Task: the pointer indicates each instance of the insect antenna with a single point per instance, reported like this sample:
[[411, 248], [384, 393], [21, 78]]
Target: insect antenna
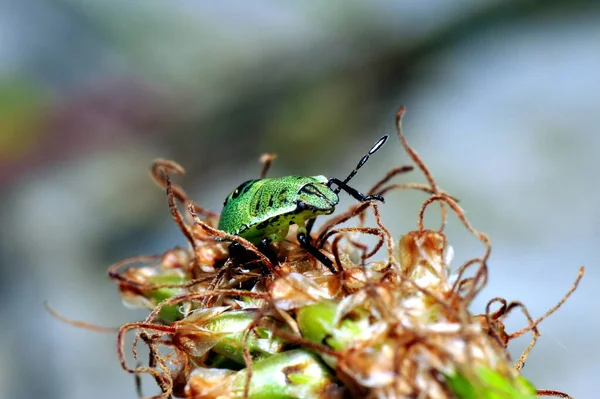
[[360, 164]]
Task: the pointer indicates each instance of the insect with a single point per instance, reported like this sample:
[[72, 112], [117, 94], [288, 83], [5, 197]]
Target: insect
[[262, 210]]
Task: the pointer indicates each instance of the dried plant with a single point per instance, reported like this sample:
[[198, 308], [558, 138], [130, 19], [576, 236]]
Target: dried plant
[[393, 322]]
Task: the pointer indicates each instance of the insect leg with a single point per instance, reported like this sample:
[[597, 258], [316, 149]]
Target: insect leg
[[304, 241], [240, 255], [309, 226], [265, 247], [236, 250], [353, 192]]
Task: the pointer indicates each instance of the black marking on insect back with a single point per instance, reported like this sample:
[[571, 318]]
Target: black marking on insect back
[[263, 225], [282, 197], [269, 222], [308, 190], [312, 190], [303, 206], [257, 201], [271, 201], [242, 228], [242, 188], [248, 186]]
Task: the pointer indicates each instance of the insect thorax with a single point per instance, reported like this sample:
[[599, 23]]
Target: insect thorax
[[267, 207]]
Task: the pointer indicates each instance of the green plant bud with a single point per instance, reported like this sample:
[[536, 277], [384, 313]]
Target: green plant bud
[[318, 324], [225, 333], [295, 374], [168, 314], [233, 324], [490, 384]]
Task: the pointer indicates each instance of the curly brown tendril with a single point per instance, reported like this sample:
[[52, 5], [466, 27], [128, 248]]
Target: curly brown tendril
[[250, 329], [387, 234], [398, 170], [198, 296], [532, 324], [230, 237], [436, 298], [214, 284], [335, 250], [160, 174], [479, 281], [361, 230], [553, 393], [115, 273], [500, 314], [381, 189], [165, 380], [163, 376], [159, 171], [413, 186], [158, 330], [420, 164], [77, 323], [554, 308], [494, 321], [248, 363], [339, 219], [369, 285]]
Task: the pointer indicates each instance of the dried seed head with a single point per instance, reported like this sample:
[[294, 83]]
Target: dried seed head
[[394, 322]]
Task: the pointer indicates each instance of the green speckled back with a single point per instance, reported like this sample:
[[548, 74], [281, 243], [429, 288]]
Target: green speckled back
[[267, 207]]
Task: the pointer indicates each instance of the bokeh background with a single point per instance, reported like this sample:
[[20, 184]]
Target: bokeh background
[[503, 103]]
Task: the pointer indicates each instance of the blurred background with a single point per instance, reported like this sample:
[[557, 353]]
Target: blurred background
[[503, 102]]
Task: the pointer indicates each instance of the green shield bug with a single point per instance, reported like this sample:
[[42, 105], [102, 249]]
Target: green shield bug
[[262, 210]]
